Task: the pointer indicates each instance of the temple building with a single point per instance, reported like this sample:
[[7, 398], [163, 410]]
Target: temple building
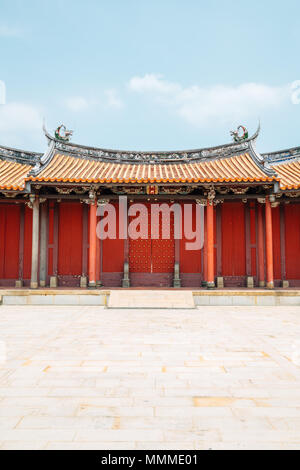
[[48, 216]]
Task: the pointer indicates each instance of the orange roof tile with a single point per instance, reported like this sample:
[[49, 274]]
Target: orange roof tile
[[64, 168], [12, 175], [289, 174]]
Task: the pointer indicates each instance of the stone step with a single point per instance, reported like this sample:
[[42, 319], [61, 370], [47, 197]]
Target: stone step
[[151, 299]]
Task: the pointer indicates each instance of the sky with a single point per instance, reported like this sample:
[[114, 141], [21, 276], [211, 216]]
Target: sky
[[149, 75]]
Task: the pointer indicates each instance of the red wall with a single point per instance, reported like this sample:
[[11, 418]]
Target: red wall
[[292, 241], [9, 241], [190, 260], [233, 249], [233, 239], [27, 243], [252, 208], [113, 251], [276, 242], [70, 239]]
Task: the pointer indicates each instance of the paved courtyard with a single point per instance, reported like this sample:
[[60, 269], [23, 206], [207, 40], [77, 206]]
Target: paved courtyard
[[93, 378]]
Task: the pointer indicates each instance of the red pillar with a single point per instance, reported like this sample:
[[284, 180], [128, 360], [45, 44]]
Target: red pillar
[[260, 247], [98, 264], [205, 251], [210, 245], [93, 245], [269, 246]]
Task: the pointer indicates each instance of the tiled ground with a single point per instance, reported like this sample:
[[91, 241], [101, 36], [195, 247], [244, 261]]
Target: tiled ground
[[91, 378]]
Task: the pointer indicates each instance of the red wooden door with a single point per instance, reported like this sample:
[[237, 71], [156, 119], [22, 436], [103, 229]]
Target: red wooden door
[[233, 241], [151, 260], [112, 253], [9, 241], [70, 243]]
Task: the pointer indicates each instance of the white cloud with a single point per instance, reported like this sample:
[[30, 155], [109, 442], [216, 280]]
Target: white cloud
[[109, 99], [77, 103], [19, 117], [203, 106], [153, 83], [112, 99], [9, 31]]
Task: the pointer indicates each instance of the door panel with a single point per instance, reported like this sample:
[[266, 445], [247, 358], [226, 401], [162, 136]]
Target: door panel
[[153, 256], [292, 241]]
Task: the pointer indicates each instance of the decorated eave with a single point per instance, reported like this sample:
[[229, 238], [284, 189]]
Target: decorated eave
[[286, 163], [66, 162], [15, 166]]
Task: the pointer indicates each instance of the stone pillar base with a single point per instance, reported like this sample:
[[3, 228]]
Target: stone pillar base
[[92, 284], [19, 283], [98, 284], [285, 284], [83, 282], [125, 283], [210, 285], [250, 282], [126, 278], [220, 282], [270, 285], [53, 282], [42, 283], [34, 285], [261, 284], [176, 280]]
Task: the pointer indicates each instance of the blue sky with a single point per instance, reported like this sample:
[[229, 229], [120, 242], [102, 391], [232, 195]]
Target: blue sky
[[152, 75]]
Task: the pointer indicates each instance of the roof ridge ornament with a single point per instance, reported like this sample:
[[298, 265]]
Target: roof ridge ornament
[[62, 133], [239, 136]]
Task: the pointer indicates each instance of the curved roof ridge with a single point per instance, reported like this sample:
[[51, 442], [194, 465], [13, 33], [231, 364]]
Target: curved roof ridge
[[149, 152], [282, 156], [19, 156]]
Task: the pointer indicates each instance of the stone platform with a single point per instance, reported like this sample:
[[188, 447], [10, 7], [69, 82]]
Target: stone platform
[[53, 297], [151, 298]]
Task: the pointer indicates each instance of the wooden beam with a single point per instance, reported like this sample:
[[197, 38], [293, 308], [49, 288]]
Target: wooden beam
[[210, 245], [21, 242], [35, 244], [85, 221], [43, 244], [55, 239], [93, 244], [269, 245], [282, 242], [248, 240], [219, 239]]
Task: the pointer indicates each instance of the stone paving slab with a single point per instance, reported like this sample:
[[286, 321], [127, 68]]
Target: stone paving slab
[[151, 299], [94, 378]]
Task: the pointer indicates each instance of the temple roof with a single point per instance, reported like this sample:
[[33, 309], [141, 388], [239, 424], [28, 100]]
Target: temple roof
[[66, 168], [13, 175], [65, 161], [14, 167], [289, 174]]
